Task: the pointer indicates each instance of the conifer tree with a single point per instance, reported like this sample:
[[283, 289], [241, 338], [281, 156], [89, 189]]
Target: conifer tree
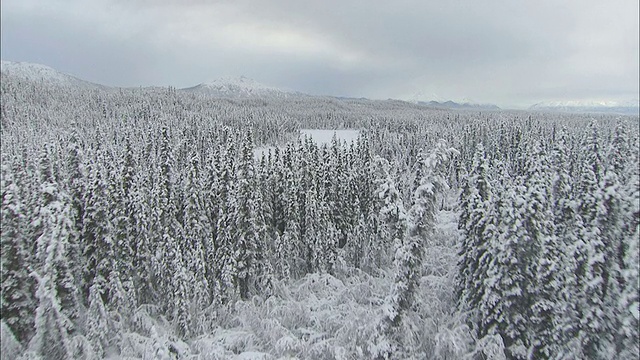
[[98, 328], [568, 226], [17, 301], [628, 337], [97, 233], [196, 233], [223, 264], [546, 338], [57, 300], [249, 225], [54, 226], [475, 218], [408, 252]]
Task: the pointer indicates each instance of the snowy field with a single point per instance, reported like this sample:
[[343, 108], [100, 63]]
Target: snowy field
[[319, 136], [324, 136]]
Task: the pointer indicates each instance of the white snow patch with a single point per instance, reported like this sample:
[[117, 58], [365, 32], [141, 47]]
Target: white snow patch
[[39, 73], [261, 151], [321, 136]]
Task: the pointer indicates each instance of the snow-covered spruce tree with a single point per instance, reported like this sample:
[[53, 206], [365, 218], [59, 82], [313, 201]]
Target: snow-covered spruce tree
[[335, 183], [196, 232], [222, 265], [17, 301], [516, 306], [53, 226], [568, 226], [628, 334], [51, 339], [212, 205], [57, 300], [394, 216], [99, 329], [392, 210], [475, 210], [409, 250], [97, 232], [293, 254], [76, 183], [595, 333], [601, 315], [490, 306], [122, 212], [142, 243], [251, 269], [546, 337], [501, 309], [619, 153], [175, 280], [276, 193]]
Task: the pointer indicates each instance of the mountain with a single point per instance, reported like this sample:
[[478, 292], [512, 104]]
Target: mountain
[[459, 106], [239, 87], [626, 107], [41, 74]]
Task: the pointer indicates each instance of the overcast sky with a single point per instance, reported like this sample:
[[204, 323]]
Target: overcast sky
[[509, 52]]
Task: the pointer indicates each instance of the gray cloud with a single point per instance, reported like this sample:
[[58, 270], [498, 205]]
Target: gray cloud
[[503, 51]]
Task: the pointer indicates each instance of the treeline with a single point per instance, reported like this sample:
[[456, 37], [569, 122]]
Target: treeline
[[87, 232], [117, 202], [549, 254]]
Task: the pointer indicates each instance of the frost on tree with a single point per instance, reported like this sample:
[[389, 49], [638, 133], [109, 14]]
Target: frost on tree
[[409, 249]]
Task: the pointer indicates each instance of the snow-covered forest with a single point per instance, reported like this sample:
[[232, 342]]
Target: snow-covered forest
[[140, 224]]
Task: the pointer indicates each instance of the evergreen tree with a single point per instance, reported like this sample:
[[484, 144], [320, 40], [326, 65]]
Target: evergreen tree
[[196, 233], [54, 226], [474, 222], [98, 328], [568, 227], [17, 301], [628, 334], [97, 233], [546, 338], [57, 301], [408, 252], [249, 226]]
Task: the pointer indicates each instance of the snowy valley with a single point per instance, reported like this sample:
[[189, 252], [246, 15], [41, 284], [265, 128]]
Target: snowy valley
[[233, 220]]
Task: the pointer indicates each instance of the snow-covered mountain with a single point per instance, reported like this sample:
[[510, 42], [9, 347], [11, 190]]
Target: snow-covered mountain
[[434, 100], [631, 107], [459, 106], [41, 74], [238, 87]]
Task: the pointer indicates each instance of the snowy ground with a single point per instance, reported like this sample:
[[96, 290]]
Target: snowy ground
[[323, 316], [319, 136], [324, 136]]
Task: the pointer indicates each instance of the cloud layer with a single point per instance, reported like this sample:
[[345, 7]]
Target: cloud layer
[[513, 53]]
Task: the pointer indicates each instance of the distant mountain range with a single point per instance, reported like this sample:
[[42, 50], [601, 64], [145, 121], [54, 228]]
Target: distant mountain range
[[628, 107], [436, 101], [459, 106], [243, 87], [239, 87]]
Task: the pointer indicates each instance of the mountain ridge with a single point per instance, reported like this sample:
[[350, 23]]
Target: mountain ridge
[[625, 107], [449, 104], [237, 87], [44, 74]]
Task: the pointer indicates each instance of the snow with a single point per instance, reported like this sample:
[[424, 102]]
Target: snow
[[238, 87], [321, 136], [589, 103], [261, 151], [629, 106], [40, 73]]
